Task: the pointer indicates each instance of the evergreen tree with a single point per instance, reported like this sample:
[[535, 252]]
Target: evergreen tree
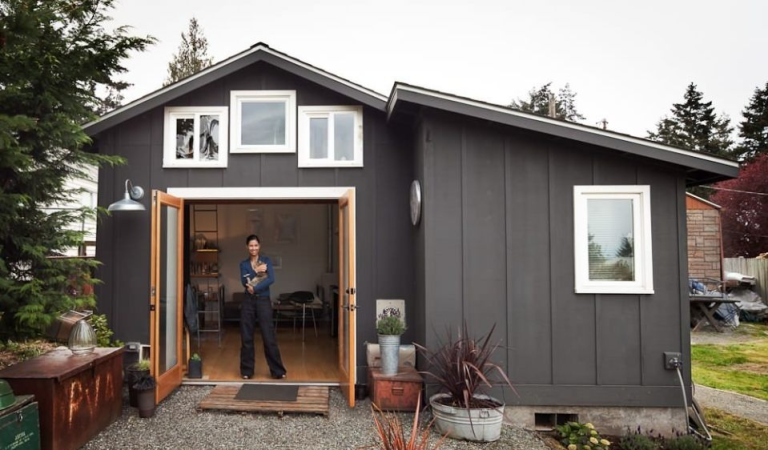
[[192, 56], [694, 125], [54, 55], [754, 128], [538, 103]]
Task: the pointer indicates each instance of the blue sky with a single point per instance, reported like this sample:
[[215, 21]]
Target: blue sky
[[628, 62]]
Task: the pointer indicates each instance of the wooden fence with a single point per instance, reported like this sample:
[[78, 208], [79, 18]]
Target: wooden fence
[[757, 268]]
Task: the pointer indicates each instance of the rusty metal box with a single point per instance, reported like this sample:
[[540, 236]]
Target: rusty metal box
[[398, 392], [78, 396]]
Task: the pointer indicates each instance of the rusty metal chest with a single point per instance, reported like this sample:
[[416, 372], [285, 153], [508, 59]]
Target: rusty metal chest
[[398, 392]]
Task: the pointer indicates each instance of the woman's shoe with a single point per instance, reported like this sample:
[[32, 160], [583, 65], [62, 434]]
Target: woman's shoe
[[279, 377], [246, 377]]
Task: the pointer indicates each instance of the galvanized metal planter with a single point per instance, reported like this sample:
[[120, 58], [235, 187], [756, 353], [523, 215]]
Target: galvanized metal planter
[[478, 425], [390, 353]]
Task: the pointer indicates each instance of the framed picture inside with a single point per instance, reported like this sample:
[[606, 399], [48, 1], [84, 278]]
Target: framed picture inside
[[277, 261], [286, 228]]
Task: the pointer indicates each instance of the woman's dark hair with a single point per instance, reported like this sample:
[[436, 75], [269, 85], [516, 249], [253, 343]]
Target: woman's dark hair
[[251, 238]]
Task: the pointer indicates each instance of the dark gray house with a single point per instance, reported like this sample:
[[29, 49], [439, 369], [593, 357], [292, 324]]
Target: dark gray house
[[571, 239]]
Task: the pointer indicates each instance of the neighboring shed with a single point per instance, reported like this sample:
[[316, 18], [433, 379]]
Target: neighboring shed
[[705, 238]]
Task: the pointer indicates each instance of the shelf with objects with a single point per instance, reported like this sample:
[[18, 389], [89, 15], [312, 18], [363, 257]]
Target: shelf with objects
[[204, 274]]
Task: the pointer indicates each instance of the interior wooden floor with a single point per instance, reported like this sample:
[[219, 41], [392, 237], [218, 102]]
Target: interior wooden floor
[[313, 361]]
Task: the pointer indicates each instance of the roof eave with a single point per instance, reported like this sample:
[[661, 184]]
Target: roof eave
[[703, 168], [258, 52]]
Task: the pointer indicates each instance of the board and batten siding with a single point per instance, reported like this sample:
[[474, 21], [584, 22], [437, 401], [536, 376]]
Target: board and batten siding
[[498, 249], [385, 237]]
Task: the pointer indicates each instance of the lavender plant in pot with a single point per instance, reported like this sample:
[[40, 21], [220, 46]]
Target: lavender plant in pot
[[390, 327], [462, 370]]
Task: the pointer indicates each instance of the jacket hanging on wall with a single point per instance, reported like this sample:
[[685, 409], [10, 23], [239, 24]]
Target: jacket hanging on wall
[[190, 310]]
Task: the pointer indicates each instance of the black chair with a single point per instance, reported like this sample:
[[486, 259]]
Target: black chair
[[303, 299]]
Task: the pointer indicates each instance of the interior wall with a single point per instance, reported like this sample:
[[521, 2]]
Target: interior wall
[[304, 253]]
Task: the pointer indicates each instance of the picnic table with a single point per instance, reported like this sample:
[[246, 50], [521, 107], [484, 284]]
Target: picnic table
[[705, 303]]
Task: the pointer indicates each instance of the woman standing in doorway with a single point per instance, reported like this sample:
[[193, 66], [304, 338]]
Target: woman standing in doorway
[[256, 274]]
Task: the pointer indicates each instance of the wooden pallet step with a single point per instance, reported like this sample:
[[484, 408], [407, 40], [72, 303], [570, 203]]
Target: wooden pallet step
[[310, 399]]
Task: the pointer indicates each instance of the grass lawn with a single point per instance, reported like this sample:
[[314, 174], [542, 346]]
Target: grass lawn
[[741, 367], [730, 432]]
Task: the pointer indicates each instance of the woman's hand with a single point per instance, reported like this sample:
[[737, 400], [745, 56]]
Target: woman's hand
[[250, 289], [261, 268]]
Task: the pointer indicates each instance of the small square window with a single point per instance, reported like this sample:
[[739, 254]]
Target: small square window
[[330, 136], [195, 137], [612, 226], [263, 121]]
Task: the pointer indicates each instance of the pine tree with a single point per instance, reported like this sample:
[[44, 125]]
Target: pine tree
[[54, 55], [192, 56], [694, 125], [538, 103], [754, 128]]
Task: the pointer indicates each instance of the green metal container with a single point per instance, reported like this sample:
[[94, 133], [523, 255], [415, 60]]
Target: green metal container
[[20, 425], [7, 399]]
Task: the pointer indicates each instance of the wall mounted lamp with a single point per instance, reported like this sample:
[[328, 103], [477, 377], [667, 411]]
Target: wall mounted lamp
[[129, 203]]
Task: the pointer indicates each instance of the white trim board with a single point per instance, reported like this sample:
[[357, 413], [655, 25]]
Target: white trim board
[[260, 193]]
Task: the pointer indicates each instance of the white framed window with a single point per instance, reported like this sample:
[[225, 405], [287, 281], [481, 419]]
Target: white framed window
[[195, 136], [330, 136], [263, 121], [612, 236]]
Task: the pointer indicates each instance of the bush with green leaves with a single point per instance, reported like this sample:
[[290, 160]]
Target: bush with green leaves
[[636, 440], [103, 332], [390, 323], [685, 442], [578, 436], [195, 357]]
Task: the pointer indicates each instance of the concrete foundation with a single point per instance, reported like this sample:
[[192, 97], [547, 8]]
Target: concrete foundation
[[607, 420]]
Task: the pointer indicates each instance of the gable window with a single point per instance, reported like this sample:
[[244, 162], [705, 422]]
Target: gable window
[[263, 121], [330, 136], [195, 136], [612, 226]]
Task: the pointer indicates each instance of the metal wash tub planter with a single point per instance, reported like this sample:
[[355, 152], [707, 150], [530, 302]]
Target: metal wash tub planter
[[485, 424]]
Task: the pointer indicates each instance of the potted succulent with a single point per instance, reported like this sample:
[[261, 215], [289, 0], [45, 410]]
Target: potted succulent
[[132, 375], [145, 395], [390, 327], [462, 370], [195, 367]]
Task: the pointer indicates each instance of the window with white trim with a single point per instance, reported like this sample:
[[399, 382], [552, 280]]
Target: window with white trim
[[263, 121], [330, 136], [195, 136], [612, 235]]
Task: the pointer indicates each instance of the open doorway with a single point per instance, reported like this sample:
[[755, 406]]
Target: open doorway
[[300, 240]]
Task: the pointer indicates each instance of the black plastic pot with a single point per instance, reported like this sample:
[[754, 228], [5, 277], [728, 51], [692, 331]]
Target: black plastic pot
[[132, 375], [195, 368], [145, 399]]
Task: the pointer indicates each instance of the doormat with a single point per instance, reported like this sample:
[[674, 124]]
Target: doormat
[[265, 392]]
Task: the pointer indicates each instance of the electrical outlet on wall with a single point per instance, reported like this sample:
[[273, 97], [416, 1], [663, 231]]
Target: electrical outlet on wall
[[672, 360], [382, 304]]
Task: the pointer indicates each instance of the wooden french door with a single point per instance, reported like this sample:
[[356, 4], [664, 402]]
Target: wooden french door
[[347, 303], [167, 293]]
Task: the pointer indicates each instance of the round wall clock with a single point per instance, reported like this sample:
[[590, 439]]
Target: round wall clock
[[415, 202]]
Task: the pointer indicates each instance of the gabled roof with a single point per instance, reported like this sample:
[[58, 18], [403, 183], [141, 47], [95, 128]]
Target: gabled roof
[[257, 52], [702, 168]]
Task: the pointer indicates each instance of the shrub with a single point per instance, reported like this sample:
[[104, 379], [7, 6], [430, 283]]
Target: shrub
[[638, 441], [194, 357], [577, 436], [462, 368], [390, 323], [685, 442], [103, 332]]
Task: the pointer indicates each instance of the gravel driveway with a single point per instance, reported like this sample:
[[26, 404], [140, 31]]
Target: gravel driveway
[[177, 425]]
